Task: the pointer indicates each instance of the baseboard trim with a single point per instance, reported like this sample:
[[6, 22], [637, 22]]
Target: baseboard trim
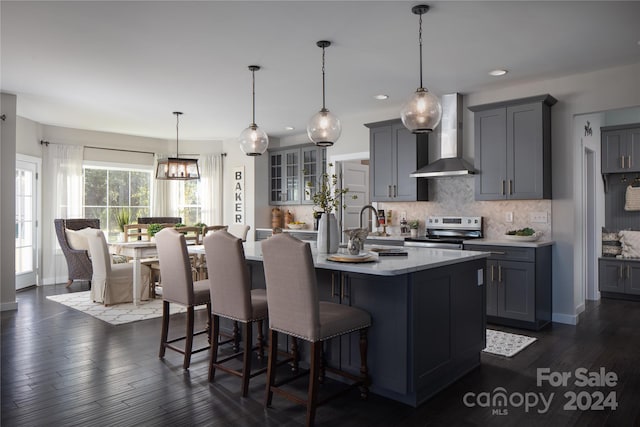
[[567, 319], [8, 306]]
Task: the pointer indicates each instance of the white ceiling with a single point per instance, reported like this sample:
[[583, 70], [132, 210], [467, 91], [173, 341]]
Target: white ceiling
[[123, 67]]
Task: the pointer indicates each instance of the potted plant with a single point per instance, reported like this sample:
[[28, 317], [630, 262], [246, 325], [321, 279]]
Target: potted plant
[[413, 227], [123, 216], [201, 226], [326, 199], [152, 229]]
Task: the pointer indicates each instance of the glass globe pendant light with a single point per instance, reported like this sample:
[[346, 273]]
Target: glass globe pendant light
[[324, 128], [253, 140], [423, 111]]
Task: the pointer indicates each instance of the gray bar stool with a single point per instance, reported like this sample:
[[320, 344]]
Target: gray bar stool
[[232, 298], [178, 287], [294, 309]]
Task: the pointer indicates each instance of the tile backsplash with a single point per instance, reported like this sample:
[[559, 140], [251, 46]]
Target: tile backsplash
[[455, 196]]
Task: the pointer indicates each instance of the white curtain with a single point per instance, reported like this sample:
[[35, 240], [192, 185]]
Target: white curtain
[[161, 191], [211, 188], [62, 187]]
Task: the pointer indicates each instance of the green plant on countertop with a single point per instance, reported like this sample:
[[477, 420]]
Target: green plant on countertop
[[123, 216], [414, 224], [152, 229], [522, 232], [327, 197], [180, 224]]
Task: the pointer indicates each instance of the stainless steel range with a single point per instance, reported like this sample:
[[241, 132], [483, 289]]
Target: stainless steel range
[[448, 232]]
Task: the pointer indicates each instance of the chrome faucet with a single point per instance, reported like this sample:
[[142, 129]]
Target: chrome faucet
[[364, 208]]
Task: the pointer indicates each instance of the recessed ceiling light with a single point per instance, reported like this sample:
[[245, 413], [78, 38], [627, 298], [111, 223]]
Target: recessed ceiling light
[[381, 97], [289, 128], [497, 72]]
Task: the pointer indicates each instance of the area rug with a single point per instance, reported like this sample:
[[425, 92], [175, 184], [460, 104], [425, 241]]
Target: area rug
[[506, 344], [117, 314]]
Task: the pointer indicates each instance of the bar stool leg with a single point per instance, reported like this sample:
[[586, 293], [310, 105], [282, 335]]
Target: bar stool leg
[[272, 366], [316, 355], [260, 340], [188, 346], [165, 328], [364, 371], [246, 364], [213, 337]]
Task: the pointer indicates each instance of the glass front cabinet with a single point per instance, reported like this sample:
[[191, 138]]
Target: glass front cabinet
[[294, 174]]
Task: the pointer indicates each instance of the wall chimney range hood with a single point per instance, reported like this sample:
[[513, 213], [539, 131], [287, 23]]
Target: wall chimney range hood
[[450, 162]]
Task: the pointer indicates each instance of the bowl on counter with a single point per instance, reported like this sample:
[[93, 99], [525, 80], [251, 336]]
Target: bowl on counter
[[296, 226], [516, 238]]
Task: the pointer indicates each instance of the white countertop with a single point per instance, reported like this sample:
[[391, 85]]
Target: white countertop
[[291, 230], [505, 242], [394, 237], [417, 259]]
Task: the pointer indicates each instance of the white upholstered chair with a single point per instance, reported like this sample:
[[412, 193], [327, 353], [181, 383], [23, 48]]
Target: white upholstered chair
[[232, 298], [294, 309], [178, 287], [239, 230], [112, 283]]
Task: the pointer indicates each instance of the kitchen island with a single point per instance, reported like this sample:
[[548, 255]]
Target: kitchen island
[[428, 312]]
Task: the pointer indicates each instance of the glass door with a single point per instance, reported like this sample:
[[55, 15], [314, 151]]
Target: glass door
[[26, 235]]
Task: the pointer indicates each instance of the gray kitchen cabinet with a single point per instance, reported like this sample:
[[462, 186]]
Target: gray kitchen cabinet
[[518, 285], [394, 153], [619, 278], [293, 171], [513, 149], [620, 148]]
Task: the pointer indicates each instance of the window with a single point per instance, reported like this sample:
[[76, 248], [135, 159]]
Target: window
[[110, 189], [189, 206]]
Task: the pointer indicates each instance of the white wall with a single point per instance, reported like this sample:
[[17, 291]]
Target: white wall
[[8, 197]]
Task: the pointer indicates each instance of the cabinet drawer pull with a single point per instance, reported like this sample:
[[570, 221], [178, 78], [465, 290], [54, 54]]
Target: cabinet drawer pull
[[510, 187], [620, 272], [493, 279], [629, 162], [500, 273], [389, 190], [628, 271], [395, 190], [622, 162], [502, 187]]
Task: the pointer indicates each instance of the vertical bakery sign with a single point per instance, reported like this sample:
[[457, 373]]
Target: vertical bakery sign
[[238, 195]]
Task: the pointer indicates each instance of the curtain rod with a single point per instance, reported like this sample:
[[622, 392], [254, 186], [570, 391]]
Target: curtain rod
[[46, 143]]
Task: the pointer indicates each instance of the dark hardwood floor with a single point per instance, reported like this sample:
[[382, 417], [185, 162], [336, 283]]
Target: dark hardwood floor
[[62, 367]]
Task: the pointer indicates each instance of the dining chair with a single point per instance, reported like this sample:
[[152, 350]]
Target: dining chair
[[178, 287], [112, 283], [239, 230], [294, 310], [232, 298], [213, 228], [77, 256]]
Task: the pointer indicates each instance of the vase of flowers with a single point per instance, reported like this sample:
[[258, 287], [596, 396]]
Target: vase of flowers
[[326, 198]]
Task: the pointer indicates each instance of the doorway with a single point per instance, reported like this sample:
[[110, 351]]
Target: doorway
[[26, 224], [590, 255]]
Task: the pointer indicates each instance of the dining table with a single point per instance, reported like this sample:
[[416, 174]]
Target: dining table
[[138, 251]]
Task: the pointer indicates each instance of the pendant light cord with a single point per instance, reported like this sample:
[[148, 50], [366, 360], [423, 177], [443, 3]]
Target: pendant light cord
[[177, 122], [420, 42], [253, 94], [323, 104]]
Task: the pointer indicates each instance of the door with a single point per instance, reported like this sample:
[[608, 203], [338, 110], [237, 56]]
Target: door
[[382, 152], [613, 151], [632, 278], [516, 290], [404, 187], [26, 223], [610, 276], [490, 148], [633, 149], [355, 177], [524, 152]]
